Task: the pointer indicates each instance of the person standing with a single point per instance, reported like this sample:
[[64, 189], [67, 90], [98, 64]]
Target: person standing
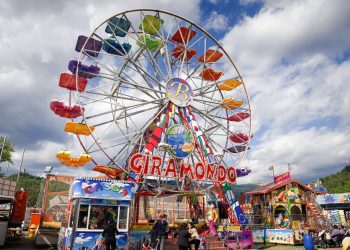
[[109, 232], [212, 216], [183, 236], [159, 229], [194, 237]]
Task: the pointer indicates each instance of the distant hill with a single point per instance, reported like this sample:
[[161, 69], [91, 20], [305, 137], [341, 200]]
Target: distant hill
[[339, 182], [240, 189], [31, 184]]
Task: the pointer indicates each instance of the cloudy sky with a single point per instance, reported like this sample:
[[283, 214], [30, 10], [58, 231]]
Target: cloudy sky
[[293, 55]]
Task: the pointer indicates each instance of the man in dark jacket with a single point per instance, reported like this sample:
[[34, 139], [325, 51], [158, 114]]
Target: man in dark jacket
[[109, 232], [159, 230], [183, 236]]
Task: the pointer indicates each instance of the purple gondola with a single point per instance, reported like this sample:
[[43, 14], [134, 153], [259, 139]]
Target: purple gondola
[[83, 70], [237, 149], [92, 46], [242, 172]]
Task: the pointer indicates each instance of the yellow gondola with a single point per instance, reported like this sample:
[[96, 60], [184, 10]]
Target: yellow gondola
[[231, 104], [65, 158], [229, 84], [151, 24], [78, 128]]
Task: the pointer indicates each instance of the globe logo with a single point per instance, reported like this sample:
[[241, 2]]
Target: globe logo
[[181, 141]]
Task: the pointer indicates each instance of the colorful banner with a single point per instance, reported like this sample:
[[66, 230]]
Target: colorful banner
[[237, 240], [105, 189], [282, 177], [279, 236], [104, 202], [333, 198], [93, 240]]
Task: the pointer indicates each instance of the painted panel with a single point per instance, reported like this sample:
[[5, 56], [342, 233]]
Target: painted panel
[[103, 189]]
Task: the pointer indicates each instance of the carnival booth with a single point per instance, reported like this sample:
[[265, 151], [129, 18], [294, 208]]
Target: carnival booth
[[282, 212], [94, 202]]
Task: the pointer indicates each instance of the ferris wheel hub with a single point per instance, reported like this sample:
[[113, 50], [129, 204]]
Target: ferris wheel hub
[[179, 92]]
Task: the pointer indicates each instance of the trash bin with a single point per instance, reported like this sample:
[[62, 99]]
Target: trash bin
[[308, 242]]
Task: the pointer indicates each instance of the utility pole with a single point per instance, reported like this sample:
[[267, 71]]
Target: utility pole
[[2, 150], [20, 167], [3, 147]]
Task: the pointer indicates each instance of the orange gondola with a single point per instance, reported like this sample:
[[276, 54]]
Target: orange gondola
[[210, 56], [231, 104], [211, 75], [65, 158], [229, 84], [111, 172], [78, 128]]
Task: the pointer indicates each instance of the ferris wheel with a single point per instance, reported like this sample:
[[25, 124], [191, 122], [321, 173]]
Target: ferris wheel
[[152, 82]]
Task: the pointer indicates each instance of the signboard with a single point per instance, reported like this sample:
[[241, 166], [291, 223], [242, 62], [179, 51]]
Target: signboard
[[107, 189], [282, 177], [333, 198], [151, 165]]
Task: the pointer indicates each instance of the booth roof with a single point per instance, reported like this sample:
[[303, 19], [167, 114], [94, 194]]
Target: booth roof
[[272, 186]]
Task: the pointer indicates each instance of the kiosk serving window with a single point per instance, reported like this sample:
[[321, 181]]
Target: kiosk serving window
[[96, 217]]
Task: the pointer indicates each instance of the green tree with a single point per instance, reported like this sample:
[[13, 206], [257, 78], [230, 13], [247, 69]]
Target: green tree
[[339, 182], [6, 150]]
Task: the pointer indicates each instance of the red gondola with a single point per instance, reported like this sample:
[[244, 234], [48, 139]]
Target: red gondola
[[179, 52], [59, 108], [240, 116], [183, 35], [239, 137], [70, 82]]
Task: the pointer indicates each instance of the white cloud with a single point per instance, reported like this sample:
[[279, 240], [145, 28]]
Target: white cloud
[[299, 91], [37, 40], [80, 240], [216, 22], [288, 54], [292, 29]]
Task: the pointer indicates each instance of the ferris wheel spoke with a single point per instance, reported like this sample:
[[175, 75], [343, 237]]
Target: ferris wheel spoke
[[167, 54], [122, 108], [144, 73], [142, 130], [149, 56], [137, 55], [128, 60], [94, 100], [143, 89], [205, 116]]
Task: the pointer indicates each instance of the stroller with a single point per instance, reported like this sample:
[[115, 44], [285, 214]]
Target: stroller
[[149, 245], [321, 240], [324, 240]]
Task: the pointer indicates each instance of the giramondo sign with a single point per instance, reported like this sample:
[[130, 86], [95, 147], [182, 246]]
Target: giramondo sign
[[151, 165]]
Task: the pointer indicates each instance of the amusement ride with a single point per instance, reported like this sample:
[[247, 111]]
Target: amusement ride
[[155, 100]]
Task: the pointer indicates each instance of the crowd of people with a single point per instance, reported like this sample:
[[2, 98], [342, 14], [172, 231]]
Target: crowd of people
[[187, 235], [333, 236]]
